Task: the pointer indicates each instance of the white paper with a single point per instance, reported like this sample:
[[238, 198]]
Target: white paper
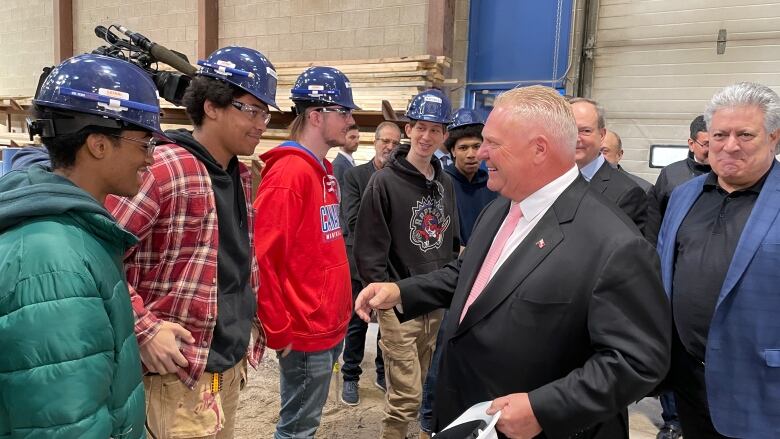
[[478, 412]]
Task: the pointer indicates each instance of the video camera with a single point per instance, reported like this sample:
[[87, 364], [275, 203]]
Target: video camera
[[139, 50]]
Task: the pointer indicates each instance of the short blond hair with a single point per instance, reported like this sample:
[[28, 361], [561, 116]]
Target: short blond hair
[[547, 108]]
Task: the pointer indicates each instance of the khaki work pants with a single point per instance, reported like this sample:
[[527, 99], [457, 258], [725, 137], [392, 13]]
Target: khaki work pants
[[407, 349], [175, 411]]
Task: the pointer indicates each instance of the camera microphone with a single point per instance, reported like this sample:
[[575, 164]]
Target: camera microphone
[[159, 52]]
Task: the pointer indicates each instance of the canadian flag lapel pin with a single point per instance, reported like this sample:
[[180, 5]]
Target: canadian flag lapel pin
[[540, 243]]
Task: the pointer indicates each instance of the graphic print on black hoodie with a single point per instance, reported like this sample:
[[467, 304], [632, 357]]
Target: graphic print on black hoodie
[[407, 224], [429, 221]]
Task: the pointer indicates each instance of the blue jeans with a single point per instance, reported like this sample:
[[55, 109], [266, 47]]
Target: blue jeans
[[304, 381], [429, 388], [669, 409]]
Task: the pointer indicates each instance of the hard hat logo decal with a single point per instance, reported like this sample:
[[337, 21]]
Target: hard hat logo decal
[[115, 101], [429, 98], [114, 93]]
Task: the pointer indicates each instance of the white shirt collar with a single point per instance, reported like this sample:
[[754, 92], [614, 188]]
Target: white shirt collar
[[589, 170], [349, 157], [542, 199]]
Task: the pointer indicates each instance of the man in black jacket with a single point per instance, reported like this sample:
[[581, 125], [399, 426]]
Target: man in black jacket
[[408, 225], [603, 178], [387, 137], [559, 313], [676, 174]]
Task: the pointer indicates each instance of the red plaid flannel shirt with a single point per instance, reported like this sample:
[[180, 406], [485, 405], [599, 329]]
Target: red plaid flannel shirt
[[172, 272]]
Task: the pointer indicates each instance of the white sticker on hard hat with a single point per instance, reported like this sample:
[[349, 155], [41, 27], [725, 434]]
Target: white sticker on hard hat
[[114, 94], [428, 98], [271, 72], [346, 84], [316, 87], [223, 65], [113, 105]]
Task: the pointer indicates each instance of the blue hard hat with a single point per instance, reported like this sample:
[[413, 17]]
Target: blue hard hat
[[244, 68], [465, 117], [102, 86], [323, 85], [431, 106]]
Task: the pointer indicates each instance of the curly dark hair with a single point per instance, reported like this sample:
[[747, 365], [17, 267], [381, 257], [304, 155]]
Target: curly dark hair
[[462, 133], [64, 147], [203, 88]]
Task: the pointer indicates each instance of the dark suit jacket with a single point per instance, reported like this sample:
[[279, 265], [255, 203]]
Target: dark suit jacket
[[619, 189], [340, 166], [641, 182], [577, 317], [355, 183]]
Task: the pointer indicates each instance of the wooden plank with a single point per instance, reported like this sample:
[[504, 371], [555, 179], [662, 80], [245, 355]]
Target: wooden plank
[[441, 20], [344, 62], [63, 30], [208, 27]]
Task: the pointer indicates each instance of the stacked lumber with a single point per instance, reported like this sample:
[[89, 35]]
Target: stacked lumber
[[396, 80]]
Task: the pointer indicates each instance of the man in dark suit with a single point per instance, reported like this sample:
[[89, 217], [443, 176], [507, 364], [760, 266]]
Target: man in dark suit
[[612, 150], [559, 314], [344, 160], [720, 251], [603, 178], [387, 137]]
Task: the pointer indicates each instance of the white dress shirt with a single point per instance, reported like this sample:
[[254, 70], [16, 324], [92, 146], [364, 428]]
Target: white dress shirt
[[534, 207]]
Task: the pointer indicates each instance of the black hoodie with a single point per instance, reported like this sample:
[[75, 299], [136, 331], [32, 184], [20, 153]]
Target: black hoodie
[[407, 225], [236, 302]]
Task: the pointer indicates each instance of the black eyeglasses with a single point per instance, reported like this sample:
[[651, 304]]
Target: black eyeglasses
[[148, 144], [344, 112], [252, 111], [703, 145]]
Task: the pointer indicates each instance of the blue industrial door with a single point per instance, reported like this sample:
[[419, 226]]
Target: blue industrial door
[[516, 42]]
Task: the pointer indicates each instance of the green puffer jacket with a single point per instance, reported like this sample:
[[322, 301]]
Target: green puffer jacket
[[69, 361]]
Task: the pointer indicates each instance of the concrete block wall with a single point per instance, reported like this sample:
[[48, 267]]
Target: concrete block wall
[[303, 30], [26, 44], [172, 23], [284, 30]]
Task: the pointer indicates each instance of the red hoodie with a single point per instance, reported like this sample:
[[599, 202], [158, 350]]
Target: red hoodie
[[305, 297]]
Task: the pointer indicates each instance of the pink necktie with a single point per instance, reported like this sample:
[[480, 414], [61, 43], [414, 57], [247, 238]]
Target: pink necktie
[[512, 218]]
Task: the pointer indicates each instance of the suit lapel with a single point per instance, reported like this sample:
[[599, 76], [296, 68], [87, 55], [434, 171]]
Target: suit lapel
[[761, 218], [526, 257], [515, 269], [601, 178], [476, 251], [678, 208]]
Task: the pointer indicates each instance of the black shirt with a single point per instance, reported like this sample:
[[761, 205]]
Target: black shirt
[[704, 248], [236, 302]]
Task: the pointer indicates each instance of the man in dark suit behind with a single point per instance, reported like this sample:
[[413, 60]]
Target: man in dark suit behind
[[559, 314], [386, 137], [603, 178], [344, 160]]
